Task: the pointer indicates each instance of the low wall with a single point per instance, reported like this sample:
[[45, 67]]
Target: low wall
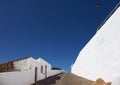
[[17, 78], [54, 72], [23, 77]]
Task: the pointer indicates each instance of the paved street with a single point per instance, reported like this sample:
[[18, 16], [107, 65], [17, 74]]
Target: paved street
[[64, 79]]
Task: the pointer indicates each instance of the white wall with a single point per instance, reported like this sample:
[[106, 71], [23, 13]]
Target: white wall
[[100, 58], [31, 63], [17, 78], [116, 81], [43, 63], [22, 78], [21, 65], [26, 75], [54, 72]]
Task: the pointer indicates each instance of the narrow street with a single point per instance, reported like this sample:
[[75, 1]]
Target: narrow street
[[64, 79]]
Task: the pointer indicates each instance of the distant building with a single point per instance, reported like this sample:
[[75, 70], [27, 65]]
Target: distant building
[[10, 66], [25, 71], [25, 64], [100, 58]]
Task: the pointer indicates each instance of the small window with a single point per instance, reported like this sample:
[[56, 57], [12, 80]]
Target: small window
[[41, 69]]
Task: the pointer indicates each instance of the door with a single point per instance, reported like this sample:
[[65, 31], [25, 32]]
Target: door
[[36, 73]]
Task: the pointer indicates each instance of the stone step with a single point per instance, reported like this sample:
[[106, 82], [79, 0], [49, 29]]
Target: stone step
[[49, 81]]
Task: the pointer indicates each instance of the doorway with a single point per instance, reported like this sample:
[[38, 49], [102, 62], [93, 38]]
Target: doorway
[[36, 73]]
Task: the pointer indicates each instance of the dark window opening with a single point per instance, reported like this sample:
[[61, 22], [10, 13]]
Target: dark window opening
[[41, 69]]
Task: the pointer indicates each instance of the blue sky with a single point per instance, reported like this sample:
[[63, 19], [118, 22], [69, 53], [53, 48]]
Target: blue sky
[[55, 30]]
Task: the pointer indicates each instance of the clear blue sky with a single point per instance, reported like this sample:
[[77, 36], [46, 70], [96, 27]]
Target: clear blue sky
[[55, 30]]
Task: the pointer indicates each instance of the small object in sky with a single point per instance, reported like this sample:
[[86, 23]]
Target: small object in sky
[[98, 5]]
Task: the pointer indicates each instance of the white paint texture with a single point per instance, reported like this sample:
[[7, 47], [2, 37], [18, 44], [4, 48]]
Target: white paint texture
[[21, 65], [26, 72], [116, 81], [17, 78], [22, 77], [100, 58], [43, 62], [53, 72]]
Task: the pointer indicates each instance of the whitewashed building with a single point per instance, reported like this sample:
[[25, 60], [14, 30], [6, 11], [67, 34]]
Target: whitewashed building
[[40, 66], [100, 58], [26, 71]]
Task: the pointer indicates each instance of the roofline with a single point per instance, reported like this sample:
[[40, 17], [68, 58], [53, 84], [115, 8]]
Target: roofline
[[42, 59], [16, 60], [109, 15]]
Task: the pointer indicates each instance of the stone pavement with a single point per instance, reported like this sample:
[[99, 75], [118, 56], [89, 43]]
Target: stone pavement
[[64, 79], [71, 79]]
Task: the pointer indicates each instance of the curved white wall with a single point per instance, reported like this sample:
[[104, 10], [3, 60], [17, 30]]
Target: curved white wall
[[116, 81], [100, 58]]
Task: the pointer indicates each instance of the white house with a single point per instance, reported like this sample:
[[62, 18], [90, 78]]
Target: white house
[[40, 66], [26, 71], [100, 58]]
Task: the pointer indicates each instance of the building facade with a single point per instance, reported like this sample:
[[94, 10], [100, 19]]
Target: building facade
[[100, 58], [25, 71], [25, 64]]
